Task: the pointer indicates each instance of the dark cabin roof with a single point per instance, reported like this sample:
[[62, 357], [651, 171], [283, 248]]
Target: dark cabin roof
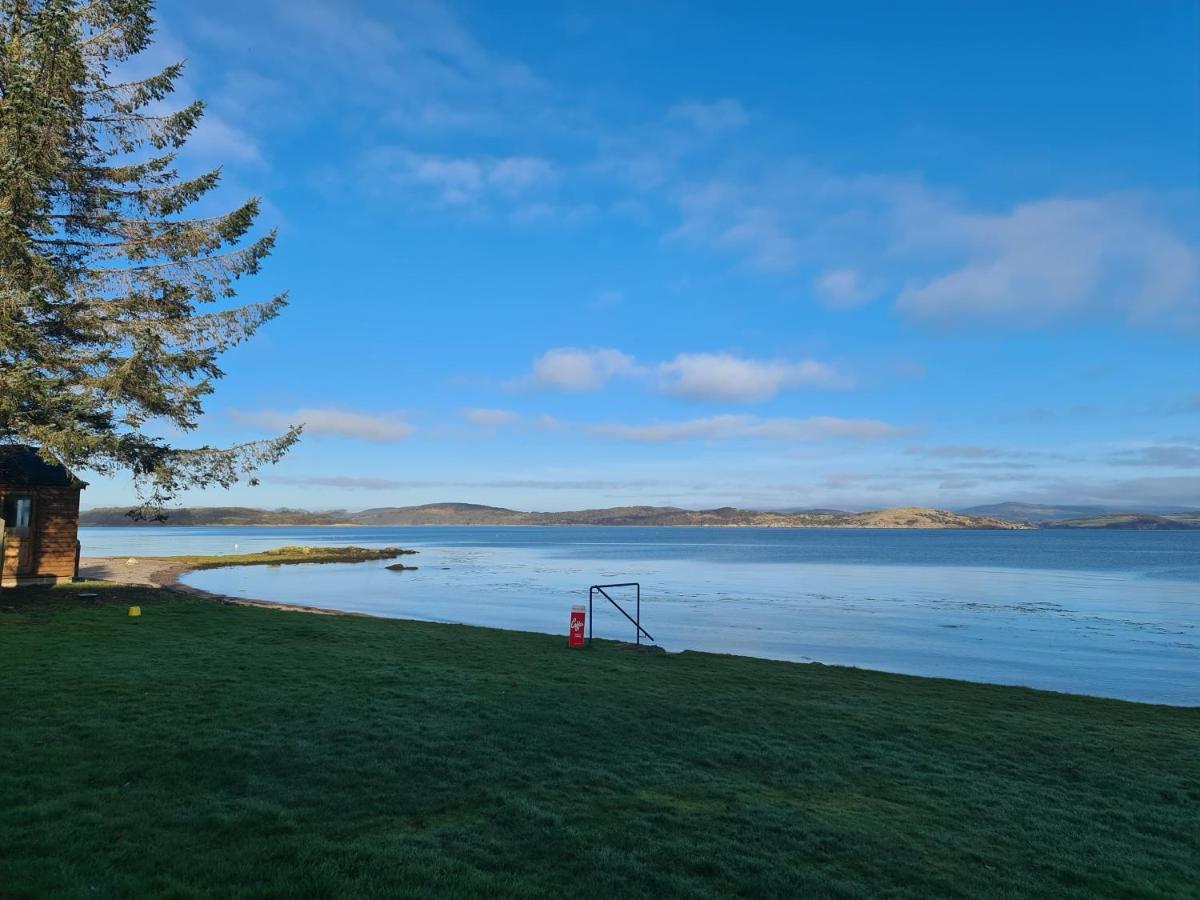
[[21, 466]]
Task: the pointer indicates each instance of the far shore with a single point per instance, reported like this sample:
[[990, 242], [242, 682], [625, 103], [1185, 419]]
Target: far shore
[[545, 525], [468, 514]]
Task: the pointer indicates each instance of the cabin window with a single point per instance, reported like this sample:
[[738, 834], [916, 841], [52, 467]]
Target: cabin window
[[18, 509]]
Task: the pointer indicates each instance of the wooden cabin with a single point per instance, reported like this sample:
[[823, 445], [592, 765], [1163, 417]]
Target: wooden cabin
[[39, 505]]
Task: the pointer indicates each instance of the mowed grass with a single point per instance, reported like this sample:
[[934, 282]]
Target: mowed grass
[[208, 749]]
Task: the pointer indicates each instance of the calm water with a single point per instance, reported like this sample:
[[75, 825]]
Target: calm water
[[1109, 613]]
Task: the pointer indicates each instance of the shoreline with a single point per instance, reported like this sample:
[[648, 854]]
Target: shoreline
[[765, 527], [1016, 526], [165, 573], [406, 734]]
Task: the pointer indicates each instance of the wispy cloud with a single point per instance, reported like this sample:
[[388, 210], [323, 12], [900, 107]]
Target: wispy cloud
[[576, 369], [490, 418], [715, 377], [418, 68], [381, 428], [844, 288], [550, 484], [711, 117], [1165, 456], [423, 80], [350, 482], [1034, 263], [1046, 259], [724, 377], [474, 182], [216, 139], [724, 427], [649, 157], [1188, 404], [962, 451], [1167, 491]]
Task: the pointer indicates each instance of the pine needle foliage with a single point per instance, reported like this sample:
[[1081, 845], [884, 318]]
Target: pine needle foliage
[[114, 304]]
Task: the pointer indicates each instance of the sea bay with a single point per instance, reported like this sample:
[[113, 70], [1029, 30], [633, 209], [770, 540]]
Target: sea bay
[[1109, 613]]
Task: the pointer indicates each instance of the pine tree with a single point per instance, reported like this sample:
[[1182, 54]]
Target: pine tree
[[114, 305]]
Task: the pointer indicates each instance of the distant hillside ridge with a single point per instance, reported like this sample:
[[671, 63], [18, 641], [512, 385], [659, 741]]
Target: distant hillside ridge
[[214, 515], [475, 514], [1034, 512], [1132, 522], [1075, 516]]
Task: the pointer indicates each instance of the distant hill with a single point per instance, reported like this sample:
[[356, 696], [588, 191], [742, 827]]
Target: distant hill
[[214, 515], [1160, 518], [470, 514], [921, 517], [1131, 522], [439, 514], [474, 514], [1034, 512]]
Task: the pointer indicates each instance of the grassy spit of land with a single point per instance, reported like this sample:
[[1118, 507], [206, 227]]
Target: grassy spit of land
[[286, 556], [211, 749], [166, 570]]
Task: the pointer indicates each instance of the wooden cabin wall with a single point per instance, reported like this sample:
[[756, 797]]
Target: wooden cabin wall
[[53, 535], [57, 531]]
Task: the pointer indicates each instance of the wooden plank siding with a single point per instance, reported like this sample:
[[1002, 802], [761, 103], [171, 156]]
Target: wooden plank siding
[[53, 532]]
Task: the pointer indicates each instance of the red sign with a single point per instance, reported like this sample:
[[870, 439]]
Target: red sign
[[575, 635]]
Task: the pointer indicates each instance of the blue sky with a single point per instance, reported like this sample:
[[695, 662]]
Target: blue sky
[[560, 255]]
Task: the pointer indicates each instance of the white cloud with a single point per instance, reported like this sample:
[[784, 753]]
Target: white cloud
[[727, 426], [718, 377], [490, 418], [723, 377], [1171, 491], [1166, 456], [416, 74], [963, 451], [215, 139], [1039, 261], [541, 211], [379, 428], [573, 369], [415, 68], [843, 288], [1045, 259], [553, 484], [343, 481], [519, 173], [455, 180], [651, 154], [723, 215], [462, 181]]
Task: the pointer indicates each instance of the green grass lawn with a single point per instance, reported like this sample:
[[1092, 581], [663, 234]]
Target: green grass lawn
[[209, 749]]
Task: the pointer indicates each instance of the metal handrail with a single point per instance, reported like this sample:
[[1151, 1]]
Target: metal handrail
[[637, 622]]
